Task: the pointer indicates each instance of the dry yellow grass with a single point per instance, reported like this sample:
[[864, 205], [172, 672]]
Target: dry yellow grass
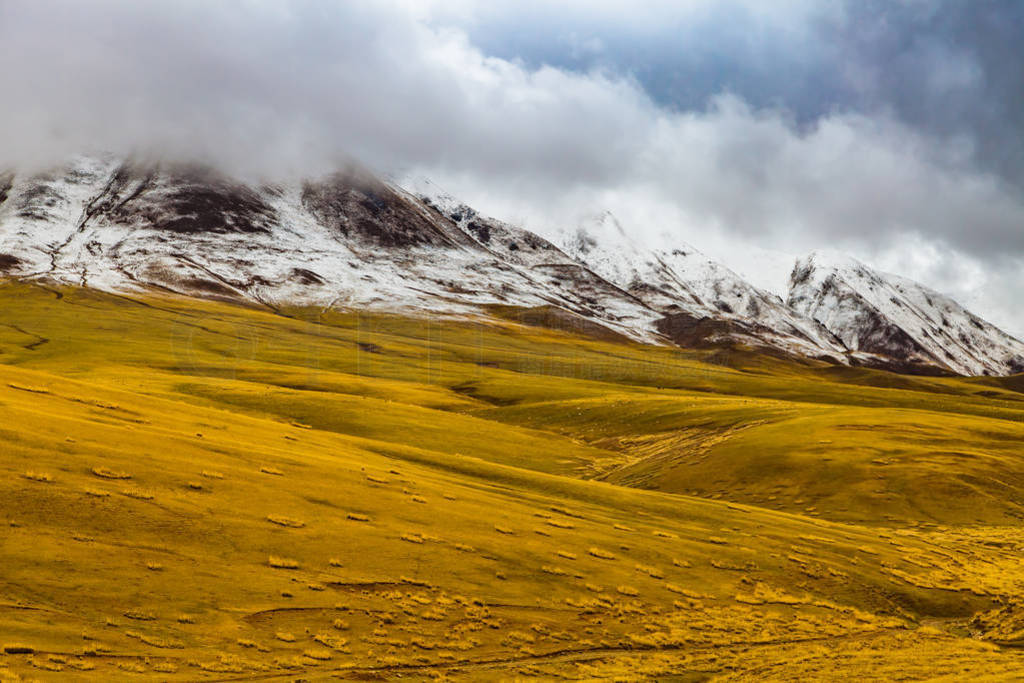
[[502, 430], [282, 562], [139, 494], [281, 520], [105, 473]]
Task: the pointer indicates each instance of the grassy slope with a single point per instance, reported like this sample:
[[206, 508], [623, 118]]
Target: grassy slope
[[478, 548]]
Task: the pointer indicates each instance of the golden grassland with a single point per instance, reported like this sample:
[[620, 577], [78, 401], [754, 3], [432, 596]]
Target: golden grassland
[[192, 490]]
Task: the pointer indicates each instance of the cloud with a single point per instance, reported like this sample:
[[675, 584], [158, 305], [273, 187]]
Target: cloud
[[284, 88], [296, 85], [949, 68]]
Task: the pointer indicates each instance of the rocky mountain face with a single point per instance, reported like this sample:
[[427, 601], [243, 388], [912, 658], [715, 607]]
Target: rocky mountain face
[[347, 241], [351, 240], [897, 319], [703, 301]]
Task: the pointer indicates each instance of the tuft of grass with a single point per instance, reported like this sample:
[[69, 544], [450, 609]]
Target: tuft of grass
[[285, 521], [81, 665], [44, 477], [319, 654], [138, 494], [686, 592], [140, 615], [333, 642], [602, 554], [163, 643], [105, 473], [282, 562], [652, 572]]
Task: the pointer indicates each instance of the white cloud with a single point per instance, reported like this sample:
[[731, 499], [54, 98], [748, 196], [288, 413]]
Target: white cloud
[[281, 88]]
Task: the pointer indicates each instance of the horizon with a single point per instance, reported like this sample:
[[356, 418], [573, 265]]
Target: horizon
[[884, 130], [466, 340]]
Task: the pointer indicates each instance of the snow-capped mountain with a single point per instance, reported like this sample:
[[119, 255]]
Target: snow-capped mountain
[[699, 302], [693, 290], [895, 318], [351, 240], [348, 240]]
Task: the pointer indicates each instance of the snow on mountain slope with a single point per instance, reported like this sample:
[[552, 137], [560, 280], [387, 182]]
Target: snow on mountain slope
[[602, 257], [891, 316], [690, 287], [504, 240], [549, 267], [349, 240]]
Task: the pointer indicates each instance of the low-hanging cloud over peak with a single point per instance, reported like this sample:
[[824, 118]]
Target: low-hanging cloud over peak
[[287, 88]]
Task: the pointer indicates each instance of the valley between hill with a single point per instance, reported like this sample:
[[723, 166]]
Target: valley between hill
[[194, 490]]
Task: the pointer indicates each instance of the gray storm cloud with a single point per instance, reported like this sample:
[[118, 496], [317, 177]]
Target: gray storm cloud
[[284, 88]]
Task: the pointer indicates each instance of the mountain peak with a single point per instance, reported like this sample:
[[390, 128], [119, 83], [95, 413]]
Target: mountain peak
[[353, 240], [893, 317]]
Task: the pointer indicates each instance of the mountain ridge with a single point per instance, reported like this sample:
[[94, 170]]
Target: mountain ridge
[[889, 315], [352, 240]]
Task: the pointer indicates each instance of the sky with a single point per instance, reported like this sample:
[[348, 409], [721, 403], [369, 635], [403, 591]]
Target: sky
[[755, 131]]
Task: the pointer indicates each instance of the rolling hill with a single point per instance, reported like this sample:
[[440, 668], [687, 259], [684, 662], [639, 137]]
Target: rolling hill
[[204, 490]]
